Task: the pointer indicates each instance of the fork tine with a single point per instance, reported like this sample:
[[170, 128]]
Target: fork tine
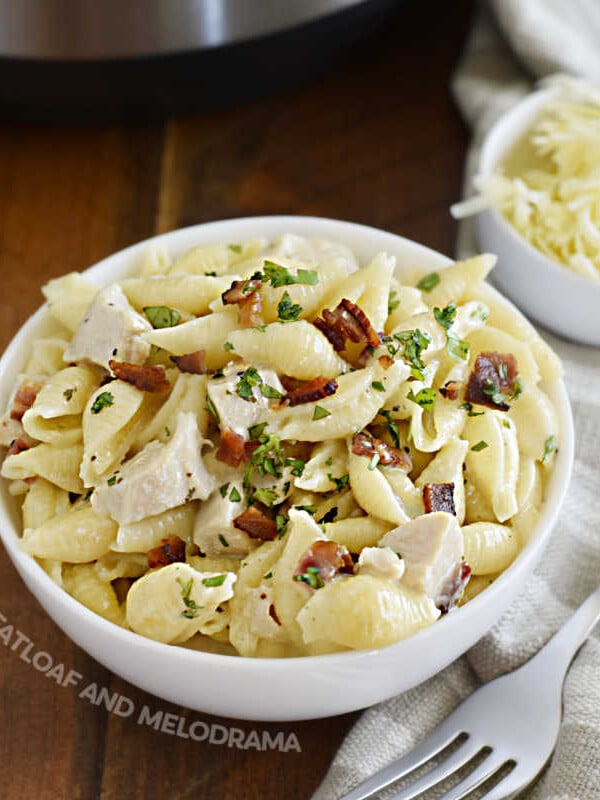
[[509, 787], [461, 756], [474, 779], [429, 747]]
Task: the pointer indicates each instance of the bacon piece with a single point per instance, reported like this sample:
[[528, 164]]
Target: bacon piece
[[325, 559], [439, 497], [450, 390], [145, 377], [328, 330], [256, 524], [452, 591], [170, 550], [17, 446], [364, 444], [385, 361], [273, 614], [240, 290], [246, 295], [310, 392], [346, 321], [493, 380], [194, 363], [232, 448], [24, 399]]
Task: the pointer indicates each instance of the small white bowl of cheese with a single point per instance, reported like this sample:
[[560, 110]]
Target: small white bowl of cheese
[[540, 184]]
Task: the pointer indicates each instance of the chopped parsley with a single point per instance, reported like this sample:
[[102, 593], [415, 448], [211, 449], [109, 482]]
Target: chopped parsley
[[424, 397], [162, 316], [320, 413], [550, 447], [248, 380], [340, 483], [281, 522], [191, 607], [256, 431], [428, 282], [268, 576], [211, 274], [309, 509], [411, 345], [297, 466], [479, 446], [235, 248], [214, 580], [391, 425], [312, 577], [234, 495], [103, 400], [223, 489], [112, 480], [268, 496], [223, 540], [210, 407], [227, 346], [280, 276], [329, 516], [68, 393], [445, 316], [468, 407], [378, 386], [393, 301], [456, 348], [288, 311]]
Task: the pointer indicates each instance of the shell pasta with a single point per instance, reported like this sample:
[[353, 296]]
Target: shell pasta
[[280, 453]]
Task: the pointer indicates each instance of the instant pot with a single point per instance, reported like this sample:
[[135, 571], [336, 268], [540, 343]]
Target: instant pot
[[94, 58]]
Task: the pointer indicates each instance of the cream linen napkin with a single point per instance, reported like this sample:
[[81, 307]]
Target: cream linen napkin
[[545, 36]]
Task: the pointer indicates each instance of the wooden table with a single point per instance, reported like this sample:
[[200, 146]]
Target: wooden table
[[375, 140]]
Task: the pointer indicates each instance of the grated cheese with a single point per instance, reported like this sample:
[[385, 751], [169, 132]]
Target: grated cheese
[[548, 187]]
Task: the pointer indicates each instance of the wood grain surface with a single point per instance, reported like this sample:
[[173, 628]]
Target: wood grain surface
[[375, 140]]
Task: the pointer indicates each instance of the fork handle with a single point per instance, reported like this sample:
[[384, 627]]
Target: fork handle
[[561, 648]]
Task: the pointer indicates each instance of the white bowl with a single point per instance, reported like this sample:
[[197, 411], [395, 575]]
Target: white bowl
[[277, 689], [551, 294]]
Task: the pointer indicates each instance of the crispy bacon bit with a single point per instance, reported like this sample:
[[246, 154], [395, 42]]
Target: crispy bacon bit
[[273, 614], [169, 551], [310, 392], [347, 321], [331, 333], [246, 295], [324, 559], [232, 448], [452, 591], [256, 524], [17, 446], [385, 361], [143, 376], [363, 444], [493, 380], [240, 290], [24, 399], [194, 363], [450, 390], [439, 497]]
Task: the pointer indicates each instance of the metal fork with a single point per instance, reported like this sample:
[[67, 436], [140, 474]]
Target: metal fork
[[511, 721]]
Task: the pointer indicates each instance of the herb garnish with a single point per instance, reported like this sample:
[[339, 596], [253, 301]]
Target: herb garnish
[[393, 301], [210, 407], [280, 276], [223, 540], [456, 348], [68, 393], [266, 495], [248, 380], [235, 248], [410, 344], [162, 316], [378, 386], [234, 495], [312, 577], [340, 483], [424, 397], [479, 446], [391, 425], [550, 446], [428, 282], [214, 580], [191, 607], [468, 407], [103, 400], [227, 346], [288, 311], [223, 489], [320, 413], [445, 316]]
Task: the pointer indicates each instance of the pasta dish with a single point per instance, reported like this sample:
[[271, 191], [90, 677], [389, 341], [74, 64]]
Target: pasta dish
[[266, 449]]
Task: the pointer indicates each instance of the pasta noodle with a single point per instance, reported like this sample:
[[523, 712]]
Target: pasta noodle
[[261, 448]]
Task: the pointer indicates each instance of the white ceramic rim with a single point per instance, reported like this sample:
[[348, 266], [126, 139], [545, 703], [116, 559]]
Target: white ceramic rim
[[355, 236], [495, 145]]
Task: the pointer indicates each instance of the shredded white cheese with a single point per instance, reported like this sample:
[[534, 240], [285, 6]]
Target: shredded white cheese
[[555, 202]]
